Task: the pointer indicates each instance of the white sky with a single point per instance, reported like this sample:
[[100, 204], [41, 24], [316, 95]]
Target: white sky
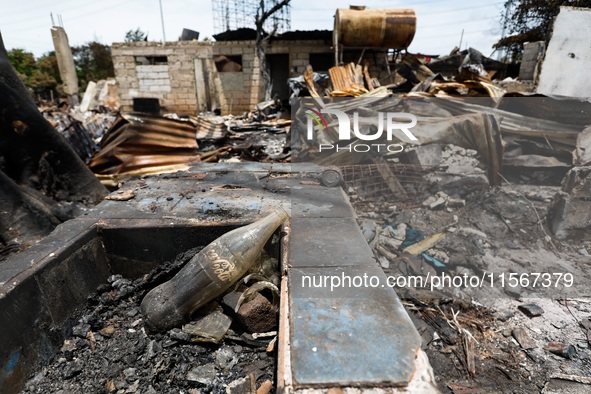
[[26, 24]]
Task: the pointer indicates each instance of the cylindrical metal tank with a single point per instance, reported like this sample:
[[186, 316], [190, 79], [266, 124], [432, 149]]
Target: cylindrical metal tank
[[383, 28]]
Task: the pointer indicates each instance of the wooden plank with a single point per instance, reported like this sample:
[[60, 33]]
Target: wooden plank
[[368, 80], [309, 78], [347, 80], [421, 246]]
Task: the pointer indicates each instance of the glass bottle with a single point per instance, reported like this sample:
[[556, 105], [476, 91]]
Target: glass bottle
[[209, 273]]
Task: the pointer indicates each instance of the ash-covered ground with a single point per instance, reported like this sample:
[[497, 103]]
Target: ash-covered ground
[[110, 350], [516, 336]]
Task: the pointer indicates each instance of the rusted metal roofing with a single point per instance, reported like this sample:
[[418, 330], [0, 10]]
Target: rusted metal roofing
[[139, 141]]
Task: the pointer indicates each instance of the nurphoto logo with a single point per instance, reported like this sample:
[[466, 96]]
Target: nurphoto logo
[[390, 122]]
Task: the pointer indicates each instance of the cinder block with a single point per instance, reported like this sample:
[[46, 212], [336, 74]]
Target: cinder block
[[184, 77], [156, 68], [300, 62], [186, 67]]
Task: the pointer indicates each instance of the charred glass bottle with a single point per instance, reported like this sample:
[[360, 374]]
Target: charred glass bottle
[[208, 274]]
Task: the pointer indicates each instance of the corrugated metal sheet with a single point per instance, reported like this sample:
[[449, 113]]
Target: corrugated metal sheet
[[140, 141], [347, 80]]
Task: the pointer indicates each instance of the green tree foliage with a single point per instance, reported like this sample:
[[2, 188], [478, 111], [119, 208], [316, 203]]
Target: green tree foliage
[[93, 62], [41, 75], [531, 20], [135, 35], [47, 75], [42, 82], [23, 62], [48, 63]]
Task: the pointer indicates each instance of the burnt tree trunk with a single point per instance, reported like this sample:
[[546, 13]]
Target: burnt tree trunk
[[261, 41], [43, 182]]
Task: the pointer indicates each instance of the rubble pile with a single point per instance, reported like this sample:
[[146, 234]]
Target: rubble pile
[[494, 188], [118, 145], [79, 137], [111, 351], [140, 144], [85, 125], [487, 337], [254, 137], [482, 219], [84, 131], [465, 73]]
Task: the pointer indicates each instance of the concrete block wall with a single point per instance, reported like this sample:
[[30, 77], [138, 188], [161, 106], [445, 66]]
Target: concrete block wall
[[236, 97], [172, 83], [239, 91], [299, 53], [154, 78]]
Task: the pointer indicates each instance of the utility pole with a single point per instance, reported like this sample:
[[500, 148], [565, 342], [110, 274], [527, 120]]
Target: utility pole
[[162, 21], [502, 52], [461, 39]]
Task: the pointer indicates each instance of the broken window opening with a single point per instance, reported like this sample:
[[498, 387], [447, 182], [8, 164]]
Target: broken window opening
[[151, 60], [321, 61], [228, 63]]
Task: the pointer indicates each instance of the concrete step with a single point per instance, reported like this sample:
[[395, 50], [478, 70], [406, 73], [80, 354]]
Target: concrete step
[[346, 336]]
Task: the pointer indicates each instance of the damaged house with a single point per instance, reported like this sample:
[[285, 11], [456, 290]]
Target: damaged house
[[474, 237], [196, 76]]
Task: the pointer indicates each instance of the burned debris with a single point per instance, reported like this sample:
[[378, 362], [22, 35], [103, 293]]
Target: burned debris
[[470, 189], [209, 274], [137, 142], [44, 181], [492, 188], [110, 352]]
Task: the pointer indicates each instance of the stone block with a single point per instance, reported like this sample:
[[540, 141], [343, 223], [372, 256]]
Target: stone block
[[299, 62], [570, 213], [425, 155]]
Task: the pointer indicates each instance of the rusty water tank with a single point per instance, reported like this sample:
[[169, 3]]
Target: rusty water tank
[[382, 28]]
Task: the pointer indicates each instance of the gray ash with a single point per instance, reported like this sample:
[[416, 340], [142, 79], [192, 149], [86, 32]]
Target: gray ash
[[110, 351]]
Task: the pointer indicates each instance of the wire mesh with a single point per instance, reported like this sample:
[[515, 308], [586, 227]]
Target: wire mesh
[[402, 184], [235, 14]]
